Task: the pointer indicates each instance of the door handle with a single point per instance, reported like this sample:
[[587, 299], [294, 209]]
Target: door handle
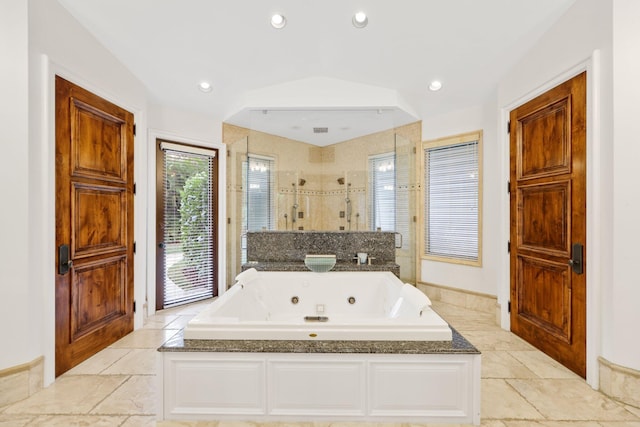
[[576, 262], [64, 263]]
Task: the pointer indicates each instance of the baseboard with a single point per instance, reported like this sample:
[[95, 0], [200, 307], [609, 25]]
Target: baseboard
[[619, 382], [19, 382], [462, 298]]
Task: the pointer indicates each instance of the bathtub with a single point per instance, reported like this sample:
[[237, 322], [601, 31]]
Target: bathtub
[[345, 306], [309, 347]]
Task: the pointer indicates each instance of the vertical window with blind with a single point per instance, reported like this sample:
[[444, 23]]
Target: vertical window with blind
[[258, 207], [382, 192], [186, 217], [452, 199]]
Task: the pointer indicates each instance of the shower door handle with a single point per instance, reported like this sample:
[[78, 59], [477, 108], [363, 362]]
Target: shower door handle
[[576, 262]]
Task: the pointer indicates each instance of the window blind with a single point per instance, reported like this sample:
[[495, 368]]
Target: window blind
[[451, 201], [188, 226]]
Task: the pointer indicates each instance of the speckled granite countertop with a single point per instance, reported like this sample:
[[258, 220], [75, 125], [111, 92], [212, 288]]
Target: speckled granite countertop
[[340, 266], [459, 344]]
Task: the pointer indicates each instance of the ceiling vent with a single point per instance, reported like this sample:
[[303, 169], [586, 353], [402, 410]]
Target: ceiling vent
[[320, 130]]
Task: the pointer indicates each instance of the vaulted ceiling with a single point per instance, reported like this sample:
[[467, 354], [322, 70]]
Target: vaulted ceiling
[[319, 70]]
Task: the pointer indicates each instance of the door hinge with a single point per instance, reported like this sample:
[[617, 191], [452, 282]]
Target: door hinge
[[508, 187], [509, 246], [134, 247], [509, 306], [135, 188], [509, 126], [134, 129], [415, 150], [134, 306]]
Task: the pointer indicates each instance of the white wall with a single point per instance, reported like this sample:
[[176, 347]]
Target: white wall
[[613, 288], [623, 313], [59, 45], [483, 279], [16, 289]]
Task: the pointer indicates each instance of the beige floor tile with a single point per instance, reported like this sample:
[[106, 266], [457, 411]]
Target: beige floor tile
[[500, 364], [15, 420], [140, 421], [500, 401], [491, 423], [500, 340], [191, 424], [181, 321], [138, 361], [620, 423], [189, 309], [145, 338], [137, 396], [159, 321], [543, 365], [567, 399], [635, 411], [77, 420], [552, 424], [14, 387], [72, 394], [99, 362]]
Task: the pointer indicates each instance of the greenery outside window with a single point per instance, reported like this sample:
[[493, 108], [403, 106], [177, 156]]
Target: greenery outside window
[[453, 199]]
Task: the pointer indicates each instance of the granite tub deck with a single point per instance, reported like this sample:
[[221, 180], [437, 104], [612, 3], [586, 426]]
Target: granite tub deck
[[286, 250], [340, 266], [308, 380], [458, 345]]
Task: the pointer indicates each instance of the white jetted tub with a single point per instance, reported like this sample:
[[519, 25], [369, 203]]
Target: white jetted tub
[[367, 306], [305, 346]]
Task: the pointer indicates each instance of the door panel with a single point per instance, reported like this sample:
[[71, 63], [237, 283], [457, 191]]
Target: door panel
[[548, 216], [94, 217], [545, 296], [96, 143], [98, 214], [544, 217], [98, 295]]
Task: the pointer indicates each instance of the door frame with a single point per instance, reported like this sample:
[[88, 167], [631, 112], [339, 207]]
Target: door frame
[[44, 137], [594, 200], [152, 137]]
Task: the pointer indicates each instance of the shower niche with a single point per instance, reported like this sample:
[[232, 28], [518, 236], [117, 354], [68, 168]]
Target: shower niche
[[363, 184]]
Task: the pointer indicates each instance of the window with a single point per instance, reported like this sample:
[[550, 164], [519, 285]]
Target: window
[[382, 192], [258, 207], [452, 199], [186, 231]]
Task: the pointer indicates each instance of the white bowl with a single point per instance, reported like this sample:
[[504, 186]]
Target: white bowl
[[320, 263]]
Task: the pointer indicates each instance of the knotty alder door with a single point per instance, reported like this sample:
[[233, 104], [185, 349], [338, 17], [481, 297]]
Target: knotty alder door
[[548, 222], [94, 224]]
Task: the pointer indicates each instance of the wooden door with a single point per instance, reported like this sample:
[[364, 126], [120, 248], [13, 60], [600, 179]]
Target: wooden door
[[548, 223], [94, 224]]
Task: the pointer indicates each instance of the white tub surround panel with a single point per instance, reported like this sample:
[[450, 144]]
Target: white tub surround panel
[[421, 388]]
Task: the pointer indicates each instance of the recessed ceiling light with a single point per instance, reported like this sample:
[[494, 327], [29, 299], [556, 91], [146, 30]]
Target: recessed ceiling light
[[435, 85], [278, 21], [205, 86], [360, 20]]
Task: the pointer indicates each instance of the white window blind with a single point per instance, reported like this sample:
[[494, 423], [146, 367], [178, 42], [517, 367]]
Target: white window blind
[[188, 226], [451, 201], [258, 209], [382, 192]]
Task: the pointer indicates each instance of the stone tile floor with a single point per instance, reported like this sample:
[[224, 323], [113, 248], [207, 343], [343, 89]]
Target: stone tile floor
[[521, 386]]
